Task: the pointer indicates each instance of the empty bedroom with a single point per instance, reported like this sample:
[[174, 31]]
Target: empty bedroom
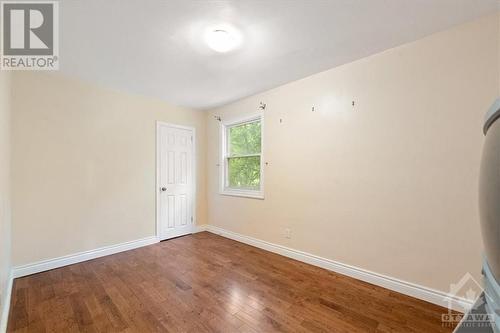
[[250, 166]]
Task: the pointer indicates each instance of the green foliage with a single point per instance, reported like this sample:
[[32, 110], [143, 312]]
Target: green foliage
[[244, 171], [244, 139]]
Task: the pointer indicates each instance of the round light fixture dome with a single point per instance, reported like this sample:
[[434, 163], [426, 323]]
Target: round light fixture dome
[[221, 40]]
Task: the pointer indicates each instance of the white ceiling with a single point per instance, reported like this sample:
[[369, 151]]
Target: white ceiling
[[155, 47]]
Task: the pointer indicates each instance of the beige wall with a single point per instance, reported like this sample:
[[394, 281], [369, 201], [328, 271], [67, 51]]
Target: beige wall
[[84, 165], [5, 209], [389, 185]]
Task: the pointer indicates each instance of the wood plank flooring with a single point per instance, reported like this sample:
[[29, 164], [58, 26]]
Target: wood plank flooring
[[206, 283]]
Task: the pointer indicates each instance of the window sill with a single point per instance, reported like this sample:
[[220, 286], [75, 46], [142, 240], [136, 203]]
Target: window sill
[[244, 194]]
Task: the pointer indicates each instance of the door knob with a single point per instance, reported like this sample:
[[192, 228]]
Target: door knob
[[163, 189]]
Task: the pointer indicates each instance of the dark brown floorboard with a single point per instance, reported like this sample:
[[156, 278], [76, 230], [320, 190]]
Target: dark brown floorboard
[[207, 283]]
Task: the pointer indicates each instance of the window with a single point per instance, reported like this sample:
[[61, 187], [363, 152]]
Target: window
[[242, 158]]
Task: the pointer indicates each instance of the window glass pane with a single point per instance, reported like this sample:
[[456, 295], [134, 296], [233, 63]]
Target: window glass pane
[[244, 139], [244, 172]]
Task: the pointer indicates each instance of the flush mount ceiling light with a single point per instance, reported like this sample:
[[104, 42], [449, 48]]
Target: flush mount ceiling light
[[222, 39]]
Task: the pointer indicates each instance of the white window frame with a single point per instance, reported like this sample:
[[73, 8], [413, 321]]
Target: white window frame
[[223, 165]]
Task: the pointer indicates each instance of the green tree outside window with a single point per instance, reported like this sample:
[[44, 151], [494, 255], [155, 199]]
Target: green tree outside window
[[243, 161]]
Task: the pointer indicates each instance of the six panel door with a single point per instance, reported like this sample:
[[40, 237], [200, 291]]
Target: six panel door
[[176, 182]]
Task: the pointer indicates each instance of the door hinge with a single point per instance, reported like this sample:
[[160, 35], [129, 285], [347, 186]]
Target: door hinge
[[191, 219], [191, 138]]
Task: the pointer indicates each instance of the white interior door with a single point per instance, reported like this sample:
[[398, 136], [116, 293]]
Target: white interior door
[[176, 180]]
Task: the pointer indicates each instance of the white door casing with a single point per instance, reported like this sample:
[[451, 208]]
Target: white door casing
[[175, 180]]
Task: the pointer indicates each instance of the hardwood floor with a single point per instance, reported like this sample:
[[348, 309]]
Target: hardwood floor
[[206, 283]]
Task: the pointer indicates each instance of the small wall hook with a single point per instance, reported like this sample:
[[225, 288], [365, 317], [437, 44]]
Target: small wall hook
[[218, 118], [262, 106]]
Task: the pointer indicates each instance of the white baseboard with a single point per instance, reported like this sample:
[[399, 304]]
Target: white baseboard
[[6, 305], [403, 287], [46, 265]]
